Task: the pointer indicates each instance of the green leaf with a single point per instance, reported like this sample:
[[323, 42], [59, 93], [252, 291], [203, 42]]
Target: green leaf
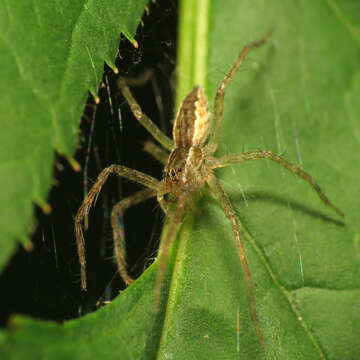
[[297, 95], [52, 54]]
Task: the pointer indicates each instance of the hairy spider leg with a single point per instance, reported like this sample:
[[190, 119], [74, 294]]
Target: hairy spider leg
[[83, 211], [118, 232], [142, 118], [232, 159], [166, 241], [156, 152], [220, 195], [220, 93]]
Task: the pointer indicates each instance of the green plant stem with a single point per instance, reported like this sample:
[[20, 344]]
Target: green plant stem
[[193, 45]]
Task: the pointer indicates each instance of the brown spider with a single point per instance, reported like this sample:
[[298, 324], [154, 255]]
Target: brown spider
[[189, 166]]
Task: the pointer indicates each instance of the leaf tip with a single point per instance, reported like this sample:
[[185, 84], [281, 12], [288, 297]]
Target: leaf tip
[[46, 209], [74, 164], [28, 246]]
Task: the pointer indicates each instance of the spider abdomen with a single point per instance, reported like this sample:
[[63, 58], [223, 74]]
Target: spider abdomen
[[192, 121]]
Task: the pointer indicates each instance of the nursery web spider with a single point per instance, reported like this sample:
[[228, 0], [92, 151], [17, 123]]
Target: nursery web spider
[[189, 166]]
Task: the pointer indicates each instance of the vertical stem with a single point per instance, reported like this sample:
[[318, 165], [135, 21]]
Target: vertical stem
[[192, 69], [193, 45]]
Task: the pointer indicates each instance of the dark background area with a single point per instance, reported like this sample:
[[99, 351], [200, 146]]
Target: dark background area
[[45, 282]]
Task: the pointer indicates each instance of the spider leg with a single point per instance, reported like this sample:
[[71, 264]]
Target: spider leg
[[220, 93], [263, 154], [156, 151], [176, 218], [162, 203], [118, 233], [162, 156], [140, 80], [229, 211], [83, 211], [142, 118]]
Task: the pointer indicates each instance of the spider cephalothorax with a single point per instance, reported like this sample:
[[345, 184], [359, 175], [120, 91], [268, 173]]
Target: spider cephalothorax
[[189, 166], [190, 132]]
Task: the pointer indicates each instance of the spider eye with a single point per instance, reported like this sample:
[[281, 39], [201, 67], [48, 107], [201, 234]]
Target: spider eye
[[179, 170]]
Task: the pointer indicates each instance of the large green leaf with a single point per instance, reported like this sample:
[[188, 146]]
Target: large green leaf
[[52, 54], [298, 95]]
